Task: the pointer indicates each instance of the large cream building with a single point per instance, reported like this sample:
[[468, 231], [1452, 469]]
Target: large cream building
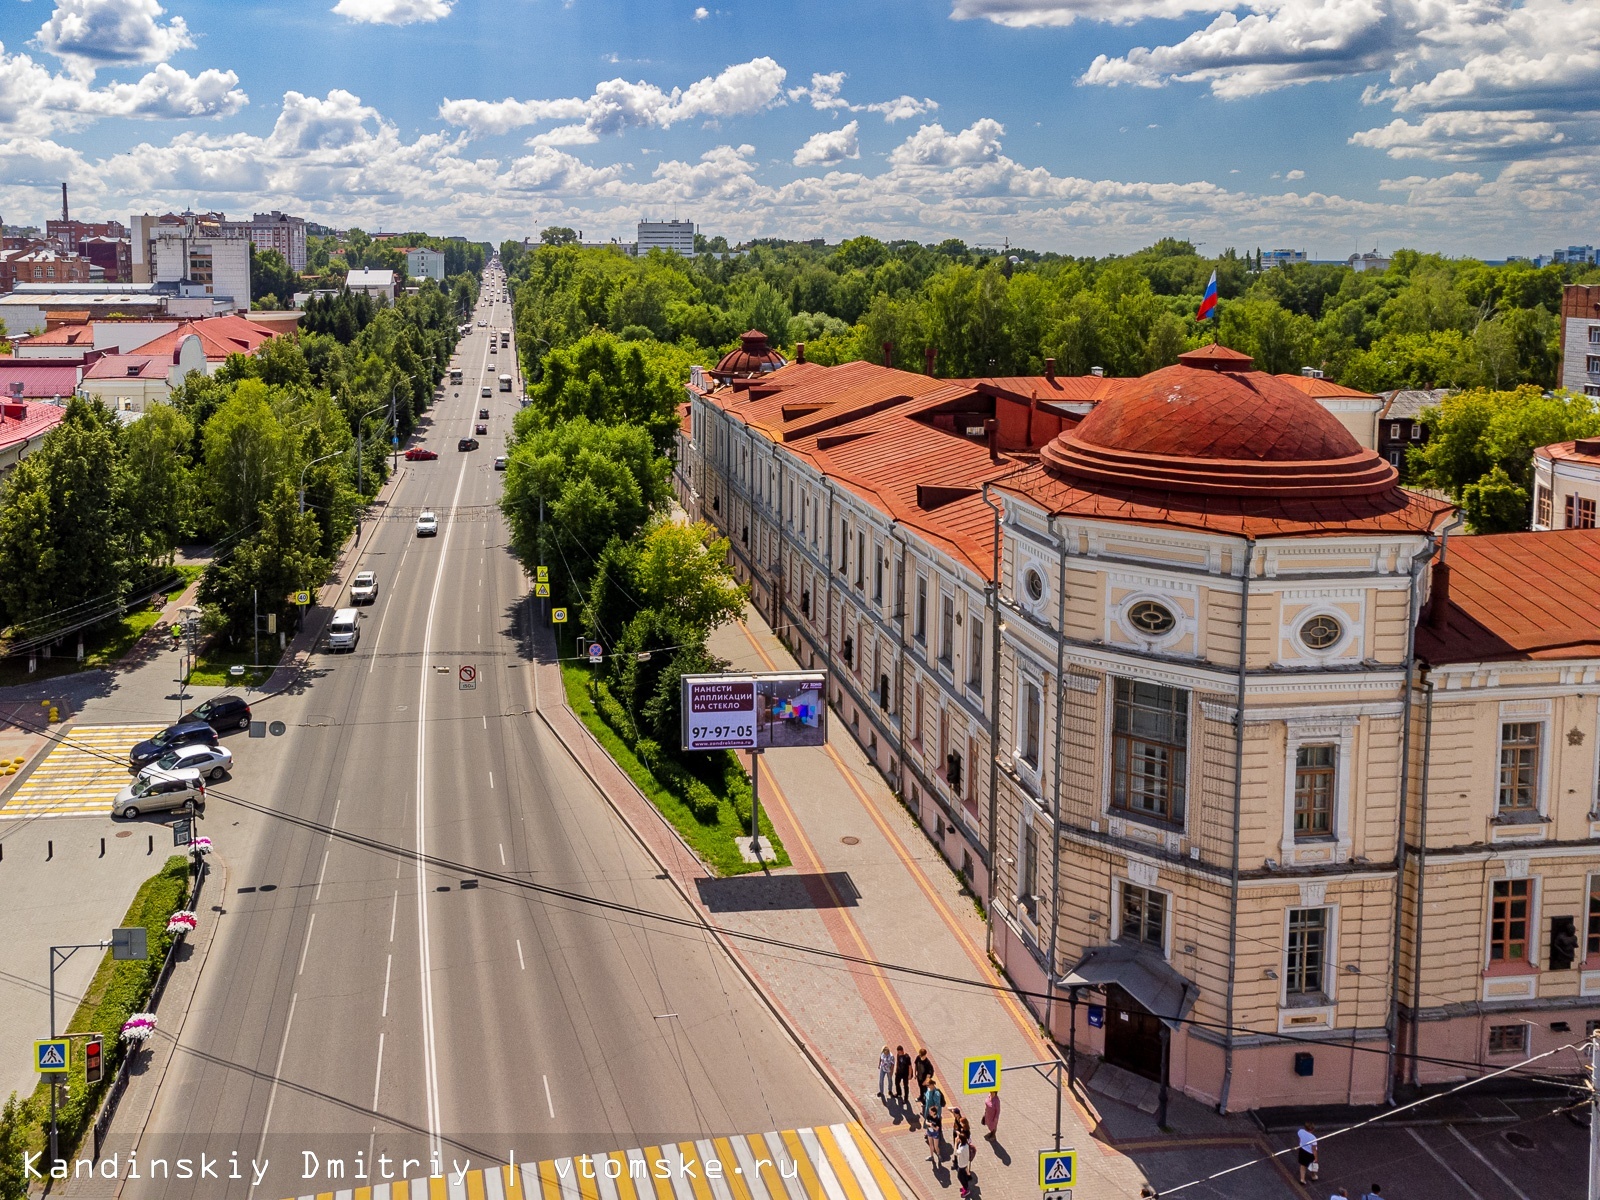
[[1277, 787]]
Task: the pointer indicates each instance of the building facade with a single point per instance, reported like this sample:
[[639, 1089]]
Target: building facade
[[1566, 485], [422, 263], [204, 253], [377, 284], [675, 237], [1400, 423], [1580, 339], [285, 234]]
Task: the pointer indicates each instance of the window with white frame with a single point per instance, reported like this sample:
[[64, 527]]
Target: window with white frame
[[1314, 775], [861, 559], [844, 546], [974, 653], [1508, 1039], [1150, 749], [1143, 917], [1510, 906], [877, 575], [1592, 943], [1519, 766], [1305, 965], [1030, 719], [947, 628]]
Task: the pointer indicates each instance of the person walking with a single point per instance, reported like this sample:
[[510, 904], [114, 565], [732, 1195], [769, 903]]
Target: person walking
[[933, 1120], [902, 1075], [885, 1073], [991, 1115], [1339, 1194], [1375, 1194], [1307, 1136], [961, 1157]]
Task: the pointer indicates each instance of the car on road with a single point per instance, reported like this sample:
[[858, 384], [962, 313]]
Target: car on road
[[364, 588], [486, 393], [483, 414], [491, 367], [222, 713], [480, 428], [420, 454], [185, 733], [482, 324], [164, 789], [467, 444], [213, 762], [500, 462], [427, 525], [344, 631]]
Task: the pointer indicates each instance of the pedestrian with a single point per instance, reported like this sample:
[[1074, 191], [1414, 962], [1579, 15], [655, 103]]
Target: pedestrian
[[924, 1071], [885, 1072], [991, 1114], [1339, 1194], [1375, 1194], [933, 1120], [959, 1125], [902, 1075], [1307, 1136], [962, 1159]]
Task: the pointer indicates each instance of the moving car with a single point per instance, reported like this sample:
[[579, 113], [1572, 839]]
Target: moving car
[[427, 525], [420, 454], [483, 414], [222, 713], [500, 462], [212, 762], [483, 324], [491, 367], [185, 733], [164, 789], [344, 631], [364, 588], [479, 428], [486, 393]]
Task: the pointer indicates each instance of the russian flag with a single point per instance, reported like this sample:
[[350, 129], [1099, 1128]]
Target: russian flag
[[1208, 302]]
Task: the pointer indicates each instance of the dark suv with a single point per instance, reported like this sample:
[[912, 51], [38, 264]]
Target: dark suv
[[185, 733], [467, 444], [222, 713]]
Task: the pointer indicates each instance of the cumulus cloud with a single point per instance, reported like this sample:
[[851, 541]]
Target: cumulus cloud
[[35, 101], [617, 105], [903, 108], [393, 12], [823, 92], [829, 147], [931, 146], [1294, 175], [1020, 14], [96, 33], [700, 14]]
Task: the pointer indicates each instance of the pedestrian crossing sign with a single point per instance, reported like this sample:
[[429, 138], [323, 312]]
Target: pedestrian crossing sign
[[981, 1074], [1058, 1169], [543, 575], [541, 589], [53, 1056]]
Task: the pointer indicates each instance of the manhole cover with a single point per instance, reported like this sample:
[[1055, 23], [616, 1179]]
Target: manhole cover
[[1520, 1140], [851, 841], [125, 833]]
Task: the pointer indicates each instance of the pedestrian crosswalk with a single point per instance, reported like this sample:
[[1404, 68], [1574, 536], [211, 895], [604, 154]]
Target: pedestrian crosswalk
[[826, 1162], [81, 774]]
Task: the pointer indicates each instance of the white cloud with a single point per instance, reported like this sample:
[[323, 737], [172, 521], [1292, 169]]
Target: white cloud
[[1294, 175], [931, 146], [393, 12], [35, 101], [700, 14], [550, 170], [829, 147], [903, 108], [1020, 14], [96, 33], [823, 92], [618, 105]]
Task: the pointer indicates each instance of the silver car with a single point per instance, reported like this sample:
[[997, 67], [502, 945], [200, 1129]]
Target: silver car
[[164, 789], [213, 762]]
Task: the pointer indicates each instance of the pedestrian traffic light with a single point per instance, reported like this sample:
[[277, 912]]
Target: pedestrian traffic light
[[94, 1063]]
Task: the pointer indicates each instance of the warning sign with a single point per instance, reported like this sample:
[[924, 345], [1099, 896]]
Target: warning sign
[[468, 675]]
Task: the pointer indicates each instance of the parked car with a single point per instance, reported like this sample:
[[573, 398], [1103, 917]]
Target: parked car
[[500, 462], [364, 588], [164, 789], [222, 713], [480, 428], [427, 525], [420, 454], [344, 631], [483, 414], [213, 762], [185, 733], [469, 443]]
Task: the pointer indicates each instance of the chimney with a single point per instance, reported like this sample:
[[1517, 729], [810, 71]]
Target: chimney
[[991, 430], [64, 206], [1098, 372], [799, 352], [929, 353], [1439, 596], [888, 354], [1050, 369]]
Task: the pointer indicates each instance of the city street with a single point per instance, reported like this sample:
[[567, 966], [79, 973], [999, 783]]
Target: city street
[[358, 1001]]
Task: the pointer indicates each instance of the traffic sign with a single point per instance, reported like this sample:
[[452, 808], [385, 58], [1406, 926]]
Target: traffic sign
[[543, 575], [52, 1056], [558, 616], [300, 597], [130, 943], [596, 653], [1058, 1169], [541, 589], [468, 675], [981, 1074]]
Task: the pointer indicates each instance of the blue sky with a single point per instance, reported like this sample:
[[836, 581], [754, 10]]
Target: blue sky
[[1087, 126]]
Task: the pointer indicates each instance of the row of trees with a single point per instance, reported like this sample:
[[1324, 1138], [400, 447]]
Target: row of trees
[[1425, 321]]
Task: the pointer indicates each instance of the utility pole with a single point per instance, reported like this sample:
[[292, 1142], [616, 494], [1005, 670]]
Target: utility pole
[[1594, 1116]]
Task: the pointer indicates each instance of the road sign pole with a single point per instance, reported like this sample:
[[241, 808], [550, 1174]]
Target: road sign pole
[[755, 803]]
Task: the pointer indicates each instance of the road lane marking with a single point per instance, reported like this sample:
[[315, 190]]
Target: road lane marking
[[272, 1095], [378, 1079], [1440, 1159], [502, 854], [520, 961], [310, 925], [549, 1103], [1499, 1174], [388, 968], [80, 775], [393, 913], [323, 870], [379, 635], [491, 773]]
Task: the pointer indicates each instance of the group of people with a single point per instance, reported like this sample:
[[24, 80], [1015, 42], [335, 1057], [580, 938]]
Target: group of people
[[896, 1069], [1306, 1156]]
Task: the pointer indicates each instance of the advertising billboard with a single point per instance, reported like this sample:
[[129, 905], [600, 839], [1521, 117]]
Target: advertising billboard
[[755, 712]]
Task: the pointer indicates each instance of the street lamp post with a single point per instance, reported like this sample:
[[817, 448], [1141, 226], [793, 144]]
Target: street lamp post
[[361, 459], [394, 424], [306, 468]]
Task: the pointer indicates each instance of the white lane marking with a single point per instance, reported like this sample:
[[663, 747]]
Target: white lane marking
[[272, 1096], [491, 779], [310, 925], [373, 660], [502, 854], [520, 960], [393, 913], [378, 1078], [549, 1103], [321, 871], [387, 969]]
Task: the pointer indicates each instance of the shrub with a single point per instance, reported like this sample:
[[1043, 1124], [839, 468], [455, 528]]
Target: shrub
[[614, 715], [702, 802]]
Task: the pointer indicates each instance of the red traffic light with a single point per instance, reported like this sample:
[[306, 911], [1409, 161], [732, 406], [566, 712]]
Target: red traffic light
[[93, 1063]]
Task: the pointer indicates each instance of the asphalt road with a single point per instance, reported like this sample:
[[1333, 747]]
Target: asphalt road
[[358, 1001]]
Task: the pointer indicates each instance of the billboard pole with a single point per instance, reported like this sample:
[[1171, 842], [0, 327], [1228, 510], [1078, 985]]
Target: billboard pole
[[755, 803]]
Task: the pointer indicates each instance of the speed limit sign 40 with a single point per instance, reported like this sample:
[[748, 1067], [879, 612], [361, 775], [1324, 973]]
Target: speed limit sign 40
[[468, 675]]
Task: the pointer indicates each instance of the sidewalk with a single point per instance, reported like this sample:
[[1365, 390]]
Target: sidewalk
[[866, 885]]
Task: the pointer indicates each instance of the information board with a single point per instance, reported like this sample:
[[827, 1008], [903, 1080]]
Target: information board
[[754, 712]]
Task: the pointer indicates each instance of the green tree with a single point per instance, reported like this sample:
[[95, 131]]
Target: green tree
[[1278, 340], [158, 486], [1496, 503], [609, 381], [270, 276], [15, 1123], [246, 454], [281, 557], [558, 235]]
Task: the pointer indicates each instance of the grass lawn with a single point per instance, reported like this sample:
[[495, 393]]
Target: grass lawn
[[713, 843], [211, 669]]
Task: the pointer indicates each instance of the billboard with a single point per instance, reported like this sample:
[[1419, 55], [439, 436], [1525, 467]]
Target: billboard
[[755, 712]]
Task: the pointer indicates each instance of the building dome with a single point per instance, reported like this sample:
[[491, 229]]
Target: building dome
[[753, 357], [1212, 425]]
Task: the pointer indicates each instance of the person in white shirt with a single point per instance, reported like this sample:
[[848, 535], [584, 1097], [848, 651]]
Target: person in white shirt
[[1307, 1136]]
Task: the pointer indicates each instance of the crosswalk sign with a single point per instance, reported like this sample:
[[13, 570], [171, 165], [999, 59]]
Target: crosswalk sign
[[981, 1074], [544, 574], [52, 1056], [1058, 1169], [541, 589]]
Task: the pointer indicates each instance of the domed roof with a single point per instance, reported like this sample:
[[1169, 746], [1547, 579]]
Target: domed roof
[[753, 357], [1213, 425]]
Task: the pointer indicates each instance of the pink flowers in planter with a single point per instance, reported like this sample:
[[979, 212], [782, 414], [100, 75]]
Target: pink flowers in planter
[[182, 921], [139, 1027], [201, 845]]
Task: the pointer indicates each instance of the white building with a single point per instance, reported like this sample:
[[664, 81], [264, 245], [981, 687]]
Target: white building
[[212, 255], [422, 263], [1279, 258], [676, 237], [377, 284], [283, 233]]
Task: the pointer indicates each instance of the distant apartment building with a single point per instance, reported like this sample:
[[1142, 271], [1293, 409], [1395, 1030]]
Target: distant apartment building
[[1370, 261], [43, 264], [377, 284], [204, 253], [1566, 485], [1573, 254], [676, 237], [1580, 339], [283, 233], [423, 263], [1281, 258]]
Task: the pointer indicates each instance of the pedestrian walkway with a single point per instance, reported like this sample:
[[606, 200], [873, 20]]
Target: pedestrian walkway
[[80, 776], [827, 1162]]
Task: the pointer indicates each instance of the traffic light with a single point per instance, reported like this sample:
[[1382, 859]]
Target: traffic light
[[94, 1063]]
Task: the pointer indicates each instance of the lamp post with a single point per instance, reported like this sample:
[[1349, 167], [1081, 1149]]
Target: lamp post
[[361, 425], [394, 425], [306, 468]]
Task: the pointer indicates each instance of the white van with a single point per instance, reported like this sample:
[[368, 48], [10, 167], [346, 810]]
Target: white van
[[342, 631]]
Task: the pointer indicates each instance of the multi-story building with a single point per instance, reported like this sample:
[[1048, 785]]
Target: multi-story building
[[202, 252], [1173, 670], [676, 237], [1281, 258], [1400, 422], [423, 263], [1574, 254], [1369, 261], [281, 232], [43, 264], [377, 284], [1566, 484], [1580, 338]]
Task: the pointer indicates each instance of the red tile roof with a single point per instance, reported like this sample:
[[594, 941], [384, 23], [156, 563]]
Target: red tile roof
[[40, 380], [1584, 450], [65, 335], [40, 420], [129, 366], [1518, 596], [219, 336], [1325, 389]]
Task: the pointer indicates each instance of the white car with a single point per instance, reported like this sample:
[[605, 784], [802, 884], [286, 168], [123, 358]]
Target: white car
[[427, 525], [364, 588], [482, 324], [164, 789], [213, 762]]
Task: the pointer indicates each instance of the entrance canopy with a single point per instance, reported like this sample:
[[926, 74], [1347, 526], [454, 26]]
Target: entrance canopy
[[1143, 975]]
